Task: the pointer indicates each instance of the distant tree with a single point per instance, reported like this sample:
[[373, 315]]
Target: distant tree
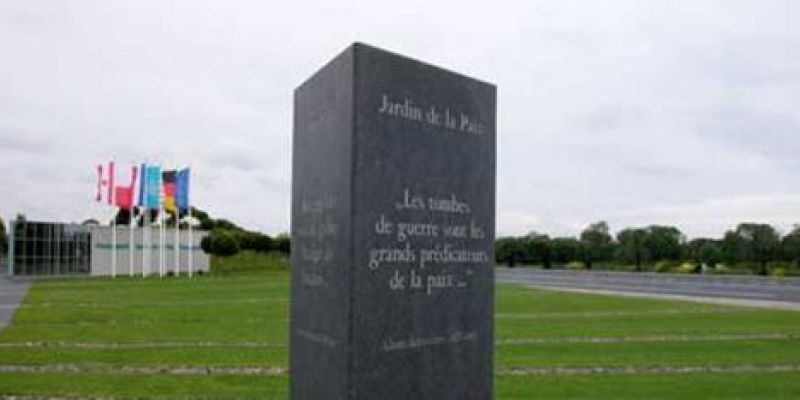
[[791, 245], [633, 246], [123, 217], [539, 249], [596, 241], [664, 242], [760, 242], [205, 244], [691, 249], [710, 253], [206, 222], [262, 243], [734, 248], [220, 242], [3, 238], [566, 249], [283, 243], [509, 251], [227, 225]]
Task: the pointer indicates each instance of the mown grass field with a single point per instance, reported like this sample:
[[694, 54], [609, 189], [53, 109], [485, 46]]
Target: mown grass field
[[147, 338]]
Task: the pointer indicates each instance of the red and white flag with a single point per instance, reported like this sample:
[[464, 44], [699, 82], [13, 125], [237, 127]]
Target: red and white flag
[[105, 183], [123, 195]]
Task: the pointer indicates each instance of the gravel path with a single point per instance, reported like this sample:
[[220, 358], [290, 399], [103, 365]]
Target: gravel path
[[12, 291], [750, 291]]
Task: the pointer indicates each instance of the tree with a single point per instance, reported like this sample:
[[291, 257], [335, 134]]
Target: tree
[[760, 243], [283, 243], [508, 250], [206, 223], [791, 245], [539, 249], [220, 242], [710, 253], [596, 241], [664, 242], [123, 217], [565, 249], [632, 246], [3, 239], [262, 243], [691, 249], [734, 248]]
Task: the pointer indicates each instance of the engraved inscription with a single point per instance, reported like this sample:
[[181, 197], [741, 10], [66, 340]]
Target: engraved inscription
[[415, 242], [444, 117]]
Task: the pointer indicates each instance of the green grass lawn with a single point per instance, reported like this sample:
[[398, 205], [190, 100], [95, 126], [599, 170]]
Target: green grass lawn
[[86, 335]]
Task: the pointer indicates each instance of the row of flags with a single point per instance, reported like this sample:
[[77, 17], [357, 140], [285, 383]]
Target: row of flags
[[150, 187]]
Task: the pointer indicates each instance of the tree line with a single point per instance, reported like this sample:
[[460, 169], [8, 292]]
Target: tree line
[[749, 247], [225, 238]]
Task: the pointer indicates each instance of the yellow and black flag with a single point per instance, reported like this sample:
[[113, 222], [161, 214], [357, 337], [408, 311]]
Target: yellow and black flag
[[168, 177]]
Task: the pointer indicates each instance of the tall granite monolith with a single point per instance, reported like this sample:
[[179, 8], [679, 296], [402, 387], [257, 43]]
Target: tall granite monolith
[[393, 215]]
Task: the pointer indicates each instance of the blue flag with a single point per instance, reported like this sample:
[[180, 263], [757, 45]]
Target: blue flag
[[142, 190], [182, 190], [153, 187]]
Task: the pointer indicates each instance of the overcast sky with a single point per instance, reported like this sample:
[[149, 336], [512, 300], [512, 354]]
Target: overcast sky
[[634, 112]]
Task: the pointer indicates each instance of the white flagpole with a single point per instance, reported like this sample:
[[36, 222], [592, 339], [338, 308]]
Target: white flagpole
[[161, 242], [131, 223], [114, 246], [191, 239], [176, 248], [146, 236]]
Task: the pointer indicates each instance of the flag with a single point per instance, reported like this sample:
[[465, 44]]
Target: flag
[[100, 183], [110, 182], [182, 190], [123, 195], [153, 187], [105, 182], [142, 186], [168, 178]]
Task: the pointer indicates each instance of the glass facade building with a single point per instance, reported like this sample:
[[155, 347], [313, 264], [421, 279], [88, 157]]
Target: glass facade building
[[46, 248]]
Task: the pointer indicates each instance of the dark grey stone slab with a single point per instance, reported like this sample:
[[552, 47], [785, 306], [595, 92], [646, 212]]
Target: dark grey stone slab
[[393, 200]]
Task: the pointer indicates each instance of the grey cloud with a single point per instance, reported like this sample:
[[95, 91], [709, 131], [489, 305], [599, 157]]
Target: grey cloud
[[603, 106]]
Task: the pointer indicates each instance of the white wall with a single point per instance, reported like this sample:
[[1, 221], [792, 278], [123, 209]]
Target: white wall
[[102, 251]]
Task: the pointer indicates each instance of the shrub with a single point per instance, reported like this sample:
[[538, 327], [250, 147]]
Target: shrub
[[779, 271], [282, 243], [205, 244], [224, 244], [221, 243], [721, 269], [576, 265], [686, 268], [779, 268], [664, 266]]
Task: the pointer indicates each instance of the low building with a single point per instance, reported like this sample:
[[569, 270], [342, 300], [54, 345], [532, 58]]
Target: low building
[[57, 249]]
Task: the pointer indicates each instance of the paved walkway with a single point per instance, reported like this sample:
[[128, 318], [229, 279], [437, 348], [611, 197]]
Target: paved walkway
[[740, 290], [12, 291]]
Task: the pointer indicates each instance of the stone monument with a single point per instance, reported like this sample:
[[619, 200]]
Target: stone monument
[[393, 215]]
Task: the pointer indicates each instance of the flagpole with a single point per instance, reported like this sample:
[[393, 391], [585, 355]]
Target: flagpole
[[146, 242], [161, 242], [191, 239], [131, 222], [114, 246], [176, 245]]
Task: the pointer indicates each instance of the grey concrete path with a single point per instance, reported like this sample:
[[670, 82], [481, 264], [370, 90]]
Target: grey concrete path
[[12, 291], [743, 290]]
